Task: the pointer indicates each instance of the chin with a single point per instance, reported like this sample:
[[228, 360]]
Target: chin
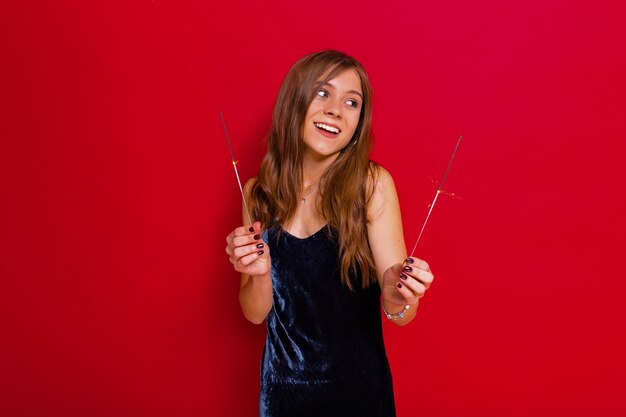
[[322, 151]]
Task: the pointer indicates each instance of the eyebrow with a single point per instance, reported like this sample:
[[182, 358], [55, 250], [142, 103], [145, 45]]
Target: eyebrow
[[349, 91]]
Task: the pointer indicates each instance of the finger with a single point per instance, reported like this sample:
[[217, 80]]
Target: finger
[[243, 230], [407, 293], [423, 276], [414, 286], [250, 258], [250, 228], [418, 263], [240, 231], [242, 251], [255, 227], [245, 240]]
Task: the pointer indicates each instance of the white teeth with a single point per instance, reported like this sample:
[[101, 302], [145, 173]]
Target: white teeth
[[326, 127]]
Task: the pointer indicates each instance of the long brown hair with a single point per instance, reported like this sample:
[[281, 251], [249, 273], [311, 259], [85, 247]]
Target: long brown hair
[[344, 190]]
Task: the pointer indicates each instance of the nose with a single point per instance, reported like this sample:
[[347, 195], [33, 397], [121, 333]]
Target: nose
[[333, 108]]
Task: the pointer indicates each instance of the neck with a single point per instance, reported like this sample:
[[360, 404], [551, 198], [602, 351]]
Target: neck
[[312, 169]]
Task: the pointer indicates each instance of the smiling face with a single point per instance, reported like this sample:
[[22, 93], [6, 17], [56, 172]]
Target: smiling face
[[333, 116]]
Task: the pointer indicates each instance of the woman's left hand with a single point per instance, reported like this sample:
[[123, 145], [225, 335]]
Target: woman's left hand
[[405, 283]]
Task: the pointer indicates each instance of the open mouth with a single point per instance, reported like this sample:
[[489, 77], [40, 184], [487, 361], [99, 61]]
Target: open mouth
[[325, 128]]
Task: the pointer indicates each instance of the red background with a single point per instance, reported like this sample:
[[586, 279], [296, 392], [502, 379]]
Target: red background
[[116, 297]]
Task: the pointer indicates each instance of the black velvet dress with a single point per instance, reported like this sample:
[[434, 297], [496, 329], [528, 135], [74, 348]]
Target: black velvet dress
[[324, 353]]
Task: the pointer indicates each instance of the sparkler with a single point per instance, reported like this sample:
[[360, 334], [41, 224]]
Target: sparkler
[[439, 191], [232, 156]]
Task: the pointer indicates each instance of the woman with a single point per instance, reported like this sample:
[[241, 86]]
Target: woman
[[326, 244]]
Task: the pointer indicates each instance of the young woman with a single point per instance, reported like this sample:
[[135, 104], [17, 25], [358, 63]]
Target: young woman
[[326, 245]]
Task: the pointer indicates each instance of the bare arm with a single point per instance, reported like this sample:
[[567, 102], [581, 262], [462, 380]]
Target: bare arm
[[403, 281], [250, 255]]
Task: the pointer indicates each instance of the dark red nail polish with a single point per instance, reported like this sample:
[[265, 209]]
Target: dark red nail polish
[[399, 285], [407, 260], [260, 253], [251, 229], [403, 276], [257, 236], [407, 269], [259, 245]]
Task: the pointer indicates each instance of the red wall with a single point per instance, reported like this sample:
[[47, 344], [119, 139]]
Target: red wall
[[116, 297]]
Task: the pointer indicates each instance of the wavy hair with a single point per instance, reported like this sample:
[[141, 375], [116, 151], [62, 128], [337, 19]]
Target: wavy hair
[[343, 191]]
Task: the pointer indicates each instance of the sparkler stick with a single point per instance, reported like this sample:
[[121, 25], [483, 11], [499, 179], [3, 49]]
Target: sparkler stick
[[232, 156], [439, 190]]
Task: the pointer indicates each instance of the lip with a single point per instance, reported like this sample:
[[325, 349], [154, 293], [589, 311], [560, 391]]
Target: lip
[[329, 124], [326, 133]]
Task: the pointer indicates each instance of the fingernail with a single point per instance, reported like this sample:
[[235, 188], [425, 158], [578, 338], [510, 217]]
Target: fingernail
[[399, 285], [407, 260], [260, 253], [407, 269], [403, 276], [251, 229], [259, 245], [257, 236]]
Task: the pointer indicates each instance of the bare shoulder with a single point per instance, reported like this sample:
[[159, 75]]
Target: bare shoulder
[[247, 188], [378, 177], [247, 191], [382, 191]]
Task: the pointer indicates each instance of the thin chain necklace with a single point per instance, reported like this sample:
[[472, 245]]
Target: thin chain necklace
[[303, 199]]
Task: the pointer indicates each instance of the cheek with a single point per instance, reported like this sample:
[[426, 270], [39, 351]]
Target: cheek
[[354, 122], [314, 108]]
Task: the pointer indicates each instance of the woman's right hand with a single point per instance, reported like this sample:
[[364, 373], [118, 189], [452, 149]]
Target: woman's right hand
[[248, 253]]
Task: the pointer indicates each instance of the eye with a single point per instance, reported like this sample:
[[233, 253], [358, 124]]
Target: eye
[[322, 93], [352, 103]]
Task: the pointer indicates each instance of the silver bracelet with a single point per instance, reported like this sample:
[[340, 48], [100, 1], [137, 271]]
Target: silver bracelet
[[397, 316]]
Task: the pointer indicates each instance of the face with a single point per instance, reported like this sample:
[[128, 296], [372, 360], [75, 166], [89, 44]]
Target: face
[[333, 116]]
